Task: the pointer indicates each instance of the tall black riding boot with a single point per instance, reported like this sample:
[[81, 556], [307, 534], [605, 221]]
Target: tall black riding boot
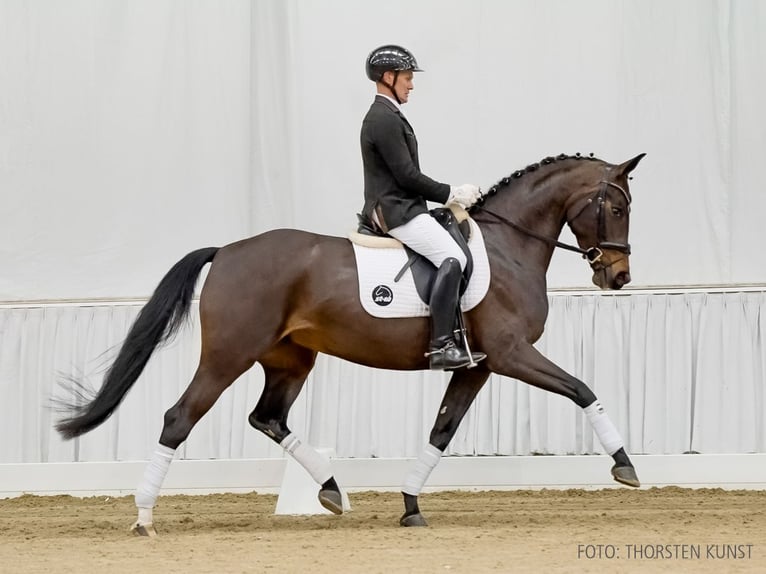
[[444, 353]]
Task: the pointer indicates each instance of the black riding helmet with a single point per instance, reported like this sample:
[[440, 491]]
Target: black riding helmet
[[390, 58]]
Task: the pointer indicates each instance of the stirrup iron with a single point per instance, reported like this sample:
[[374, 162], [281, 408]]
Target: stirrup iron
[[462, 333]]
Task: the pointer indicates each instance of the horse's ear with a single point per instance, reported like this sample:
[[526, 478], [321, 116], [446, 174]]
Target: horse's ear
[[630, 165]]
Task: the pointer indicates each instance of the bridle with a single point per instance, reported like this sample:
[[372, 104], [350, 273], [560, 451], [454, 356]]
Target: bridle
[[592, 254]]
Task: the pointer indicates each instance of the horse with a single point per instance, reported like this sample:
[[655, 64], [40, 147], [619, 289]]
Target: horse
[[283, 296]]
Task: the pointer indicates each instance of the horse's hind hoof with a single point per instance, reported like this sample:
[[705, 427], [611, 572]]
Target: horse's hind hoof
[[143, 530], [413, 520], [332, 500], [626, 475]]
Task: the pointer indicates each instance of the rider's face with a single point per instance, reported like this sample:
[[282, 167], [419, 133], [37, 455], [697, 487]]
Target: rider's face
[[403, 84]]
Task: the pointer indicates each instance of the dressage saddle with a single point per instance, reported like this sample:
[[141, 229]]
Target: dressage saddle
[[423, 271]]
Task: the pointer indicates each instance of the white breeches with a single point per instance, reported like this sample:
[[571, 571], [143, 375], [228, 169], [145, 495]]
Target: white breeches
[[424, 235]]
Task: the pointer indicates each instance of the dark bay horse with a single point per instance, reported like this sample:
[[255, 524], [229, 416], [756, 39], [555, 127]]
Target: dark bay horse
[[281, 297]]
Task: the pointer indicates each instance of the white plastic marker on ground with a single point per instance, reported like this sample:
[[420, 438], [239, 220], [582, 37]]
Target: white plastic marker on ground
[[298, 493]]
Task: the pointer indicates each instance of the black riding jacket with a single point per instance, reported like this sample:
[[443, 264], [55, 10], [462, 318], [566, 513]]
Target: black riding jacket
[[394, 188]]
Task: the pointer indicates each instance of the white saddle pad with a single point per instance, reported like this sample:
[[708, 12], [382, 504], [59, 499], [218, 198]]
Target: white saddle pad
[[382, 297]]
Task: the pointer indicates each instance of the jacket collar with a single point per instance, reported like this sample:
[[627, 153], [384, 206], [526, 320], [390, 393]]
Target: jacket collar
[[388, 102]]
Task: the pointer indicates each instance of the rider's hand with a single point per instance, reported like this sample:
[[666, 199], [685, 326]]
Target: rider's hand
[[464, 195]]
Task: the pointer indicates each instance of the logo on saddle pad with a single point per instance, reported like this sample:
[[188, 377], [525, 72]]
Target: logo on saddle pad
[[382, 295]]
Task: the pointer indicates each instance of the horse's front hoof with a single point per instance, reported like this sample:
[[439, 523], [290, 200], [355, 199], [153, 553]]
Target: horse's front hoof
[[413, 520], [143, 530], [332, 500], [626, 475]]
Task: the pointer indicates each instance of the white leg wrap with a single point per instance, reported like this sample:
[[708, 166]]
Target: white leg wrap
[[602, 425], [417, 477], [317, 465], [154, 475], [145, 516]]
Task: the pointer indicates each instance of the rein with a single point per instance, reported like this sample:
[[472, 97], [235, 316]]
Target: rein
[[592, 254]]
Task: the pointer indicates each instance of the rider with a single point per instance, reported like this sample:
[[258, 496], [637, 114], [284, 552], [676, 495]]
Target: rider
[[395, 194]]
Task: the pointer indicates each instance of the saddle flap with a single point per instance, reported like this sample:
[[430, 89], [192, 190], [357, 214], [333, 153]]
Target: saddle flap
[[382, 297]]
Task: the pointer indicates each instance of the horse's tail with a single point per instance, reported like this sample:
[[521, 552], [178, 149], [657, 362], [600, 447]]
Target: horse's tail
[[156, 324]]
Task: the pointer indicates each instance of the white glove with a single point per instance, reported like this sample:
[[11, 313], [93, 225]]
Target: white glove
[[464, 195]]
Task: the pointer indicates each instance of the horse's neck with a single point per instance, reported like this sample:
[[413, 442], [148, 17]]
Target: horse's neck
[[542, 207], [538, 205]]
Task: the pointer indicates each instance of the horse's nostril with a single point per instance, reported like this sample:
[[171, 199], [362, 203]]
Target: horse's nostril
[[622, 279]]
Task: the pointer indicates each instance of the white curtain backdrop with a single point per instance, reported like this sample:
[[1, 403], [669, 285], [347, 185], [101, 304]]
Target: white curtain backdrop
[[677, 372], [134, 132]]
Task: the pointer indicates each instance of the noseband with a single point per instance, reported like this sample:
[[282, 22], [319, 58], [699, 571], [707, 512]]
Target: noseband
[[592, 254]]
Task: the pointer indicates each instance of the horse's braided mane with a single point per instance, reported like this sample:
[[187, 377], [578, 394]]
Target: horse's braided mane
[[535, 166]]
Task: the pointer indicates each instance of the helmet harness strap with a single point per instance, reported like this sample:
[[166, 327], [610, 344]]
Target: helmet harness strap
[[391, 85]]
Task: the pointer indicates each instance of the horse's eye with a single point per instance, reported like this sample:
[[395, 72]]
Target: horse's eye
[[617, 211]]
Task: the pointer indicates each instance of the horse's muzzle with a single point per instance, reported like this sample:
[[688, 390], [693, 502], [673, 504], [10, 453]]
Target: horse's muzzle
[[621, 279], [614, 274]]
